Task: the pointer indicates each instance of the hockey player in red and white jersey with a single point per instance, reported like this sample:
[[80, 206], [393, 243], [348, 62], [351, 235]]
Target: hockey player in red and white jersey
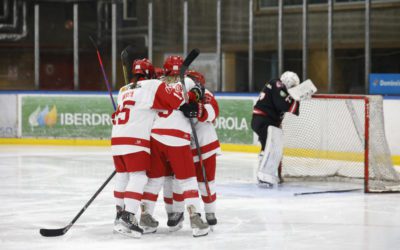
[[159, 72], [171, 152], [209, 148], [138, 105]]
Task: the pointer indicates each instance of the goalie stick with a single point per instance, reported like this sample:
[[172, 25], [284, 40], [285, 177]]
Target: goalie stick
[[188, 60], [64, 230]]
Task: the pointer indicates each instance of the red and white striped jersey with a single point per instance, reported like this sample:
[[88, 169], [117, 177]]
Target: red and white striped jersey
[[171, 127], [136, 112], [205, 130]]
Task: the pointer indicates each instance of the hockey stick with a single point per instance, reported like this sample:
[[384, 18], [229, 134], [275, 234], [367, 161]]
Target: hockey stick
[[188, 60], [328, 191], [104, 73], [126, 60], [64, 230]]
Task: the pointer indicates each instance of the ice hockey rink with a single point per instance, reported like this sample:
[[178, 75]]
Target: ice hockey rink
[[46, 186]]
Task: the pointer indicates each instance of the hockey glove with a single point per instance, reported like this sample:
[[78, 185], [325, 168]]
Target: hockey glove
[[190, 110], [196, 94]]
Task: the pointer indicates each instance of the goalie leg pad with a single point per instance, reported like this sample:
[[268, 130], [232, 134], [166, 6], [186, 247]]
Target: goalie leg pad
[[268, 169]]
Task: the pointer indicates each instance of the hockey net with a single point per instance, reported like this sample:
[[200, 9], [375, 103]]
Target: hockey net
[[339, 138]]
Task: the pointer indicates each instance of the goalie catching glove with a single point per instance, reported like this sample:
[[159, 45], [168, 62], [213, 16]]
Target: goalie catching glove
[[192, 109]]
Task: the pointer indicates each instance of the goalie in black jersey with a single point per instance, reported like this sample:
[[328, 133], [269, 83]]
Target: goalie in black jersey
[[277, 97]]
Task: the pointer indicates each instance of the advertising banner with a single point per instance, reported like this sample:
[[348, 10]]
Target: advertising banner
[[81, 116], [65, 116], [234, 122], [8, 117], [384, 84]]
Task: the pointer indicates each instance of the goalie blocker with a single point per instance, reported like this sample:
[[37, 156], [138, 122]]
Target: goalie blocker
[[303, 91]]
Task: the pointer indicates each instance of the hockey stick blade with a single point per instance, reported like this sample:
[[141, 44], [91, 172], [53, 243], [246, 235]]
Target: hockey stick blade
[[127, 59], [54, 232], [62, 231]]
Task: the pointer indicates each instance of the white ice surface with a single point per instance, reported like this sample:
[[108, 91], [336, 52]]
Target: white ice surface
[[45, 187]]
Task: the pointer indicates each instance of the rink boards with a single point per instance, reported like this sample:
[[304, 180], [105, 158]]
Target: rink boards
[[67, 118]]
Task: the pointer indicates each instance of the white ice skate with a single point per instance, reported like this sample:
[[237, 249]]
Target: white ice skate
[[199, 227]]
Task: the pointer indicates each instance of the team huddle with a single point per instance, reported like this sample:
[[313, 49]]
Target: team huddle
[[153, 148]]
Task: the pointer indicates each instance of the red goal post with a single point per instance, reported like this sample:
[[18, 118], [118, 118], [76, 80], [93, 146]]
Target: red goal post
[[339, 138]]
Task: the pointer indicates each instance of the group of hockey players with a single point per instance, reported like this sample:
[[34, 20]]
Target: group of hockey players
[[153, 149]]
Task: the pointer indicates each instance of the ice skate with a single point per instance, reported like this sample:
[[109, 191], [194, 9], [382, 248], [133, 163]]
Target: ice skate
[[128, 225], [199, 227], [175, 221], [118, 215], [211, 220], [147, 221]]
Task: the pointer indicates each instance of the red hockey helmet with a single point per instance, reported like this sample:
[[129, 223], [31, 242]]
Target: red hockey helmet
[[159, 72], [197, 77], [144, 68], [172, 65]]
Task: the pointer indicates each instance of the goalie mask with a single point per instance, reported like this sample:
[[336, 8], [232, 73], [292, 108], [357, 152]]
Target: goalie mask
[[172, 65], [143, 69], [290, 79]]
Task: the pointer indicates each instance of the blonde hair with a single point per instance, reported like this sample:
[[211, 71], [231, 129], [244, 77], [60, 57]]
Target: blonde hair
[[170, 79]]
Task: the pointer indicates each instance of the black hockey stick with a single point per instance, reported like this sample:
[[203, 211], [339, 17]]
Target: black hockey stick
[[64, 230], [186, 63], [127, 59], [328, 191]]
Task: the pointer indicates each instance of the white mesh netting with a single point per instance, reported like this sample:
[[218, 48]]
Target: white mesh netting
[[327, 142]]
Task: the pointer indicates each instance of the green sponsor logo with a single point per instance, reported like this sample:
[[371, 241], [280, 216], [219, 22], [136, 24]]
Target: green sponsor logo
[[66, 116], [90, 117], [233, 123]]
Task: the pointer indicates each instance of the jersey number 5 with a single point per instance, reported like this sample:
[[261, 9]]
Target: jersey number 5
[[125, 111]]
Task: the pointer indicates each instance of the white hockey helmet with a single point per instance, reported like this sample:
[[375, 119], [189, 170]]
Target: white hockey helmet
[[290, 79]]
